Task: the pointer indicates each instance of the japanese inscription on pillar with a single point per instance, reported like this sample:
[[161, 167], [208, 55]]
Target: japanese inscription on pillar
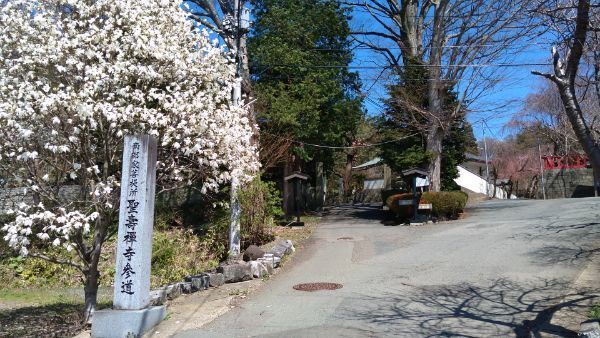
[[136, 218]]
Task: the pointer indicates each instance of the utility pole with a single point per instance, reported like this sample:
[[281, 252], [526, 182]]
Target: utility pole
[[241, 23], [542, 180], [487, 167]]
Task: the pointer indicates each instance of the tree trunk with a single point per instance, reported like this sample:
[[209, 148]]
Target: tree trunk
[[348, 176], [436, 134], [409, 34], [565, 77], [247, 89], [575, 115], [434, 147], [92, 275], [92, 280]]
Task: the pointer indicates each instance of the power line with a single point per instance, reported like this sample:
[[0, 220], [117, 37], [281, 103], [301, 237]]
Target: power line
[[482, 65], [401, 79], [342, 147], [499, 44], [444, 80], [362, 7]]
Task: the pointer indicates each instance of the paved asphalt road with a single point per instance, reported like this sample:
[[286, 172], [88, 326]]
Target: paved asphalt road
[[500, 272]]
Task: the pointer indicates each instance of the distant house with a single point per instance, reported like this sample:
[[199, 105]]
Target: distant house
[[378, 176], [472, 178], [374, 172], [475, 164]]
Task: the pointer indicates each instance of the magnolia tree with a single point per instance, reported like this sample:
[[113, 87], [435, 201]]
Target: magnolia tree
[[75, 77]]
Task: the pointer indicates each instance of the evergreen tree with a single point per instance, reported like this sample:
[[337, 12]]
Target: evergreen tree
[[405, 118], [295, 51]]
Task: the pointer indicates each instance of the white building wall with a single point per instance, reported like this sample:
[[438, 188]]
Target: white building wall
[[470, 181], [374, 184]]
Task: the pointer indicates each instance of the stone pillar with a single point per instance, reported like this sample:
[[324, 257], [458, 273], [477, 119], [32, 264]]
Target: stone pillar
[[136, 219], [131, 314]]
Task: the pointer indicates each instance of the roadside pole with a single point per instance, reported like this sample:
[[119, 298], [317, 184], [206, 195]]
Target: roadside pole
[[234, 225], [543, 180], [487, 167]]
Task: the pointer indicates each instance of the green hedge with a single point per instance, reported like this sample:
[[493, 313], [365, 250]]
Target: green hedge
[[445, 204]]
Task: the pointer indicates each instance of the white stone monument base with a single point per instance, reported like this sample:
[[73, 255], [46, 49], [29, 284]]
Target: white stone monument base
[[126, 323]]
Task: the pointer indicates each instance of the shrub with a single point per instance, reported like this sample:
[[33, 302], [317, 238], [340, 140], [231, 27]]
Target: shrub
[[216, 234], [595, 312], [447, 204], [177, 253], [19, 271], [260, 202]]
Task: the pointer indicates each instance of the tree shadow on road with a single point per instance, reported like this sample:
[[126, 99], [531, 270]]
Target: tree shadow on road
[[566, 227], [572, 254], [561, 231], [362, 212], [504, 308], [55, 320]]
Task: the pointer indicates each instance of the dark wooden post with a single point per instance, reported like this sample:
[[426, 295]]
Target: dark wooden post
[[411, 175], [296, 180]]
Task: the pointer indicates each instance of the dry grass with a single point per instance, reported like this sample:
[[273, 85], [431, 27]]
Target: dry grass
[[296, 234]]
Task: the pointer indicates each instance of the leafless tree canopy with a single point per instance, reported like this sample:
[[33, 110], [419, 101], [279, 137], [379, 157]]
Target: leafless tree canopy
[[458, 41], [572, 22], [544, 113], [222, 16]]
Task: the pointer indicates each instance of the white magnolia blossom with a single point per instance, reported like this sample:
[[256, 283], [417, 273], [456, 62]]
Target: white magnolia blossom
[[78, 75], [46, 225]]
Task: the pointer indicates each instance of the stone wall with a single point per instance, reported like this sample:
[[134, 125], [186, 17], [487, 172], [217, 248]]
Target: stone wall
[[11, 197], [567, 183]]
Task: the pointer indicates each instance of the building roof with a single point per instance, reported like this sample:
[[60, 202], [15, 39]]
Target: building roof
[[373, 162], [474, 158], [415, 172], [296, 175]]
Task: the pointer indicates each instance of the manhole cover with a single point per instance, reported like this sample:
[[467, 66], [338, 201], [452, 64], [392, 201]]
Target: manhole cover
[[344, 238], [310, 287]]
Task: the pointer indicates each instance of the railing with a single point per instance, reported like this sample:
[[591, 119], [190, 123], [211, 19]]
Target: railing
[[574, 161]]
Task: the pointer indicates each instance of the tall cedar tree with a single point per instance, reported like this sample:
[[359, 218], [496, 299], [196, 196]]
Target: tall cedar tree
[[293, 45], [404, 118]]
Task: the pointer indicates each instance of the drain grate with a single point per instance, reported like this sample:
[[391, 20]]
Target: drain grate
[[344, 238], [310, 287]]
